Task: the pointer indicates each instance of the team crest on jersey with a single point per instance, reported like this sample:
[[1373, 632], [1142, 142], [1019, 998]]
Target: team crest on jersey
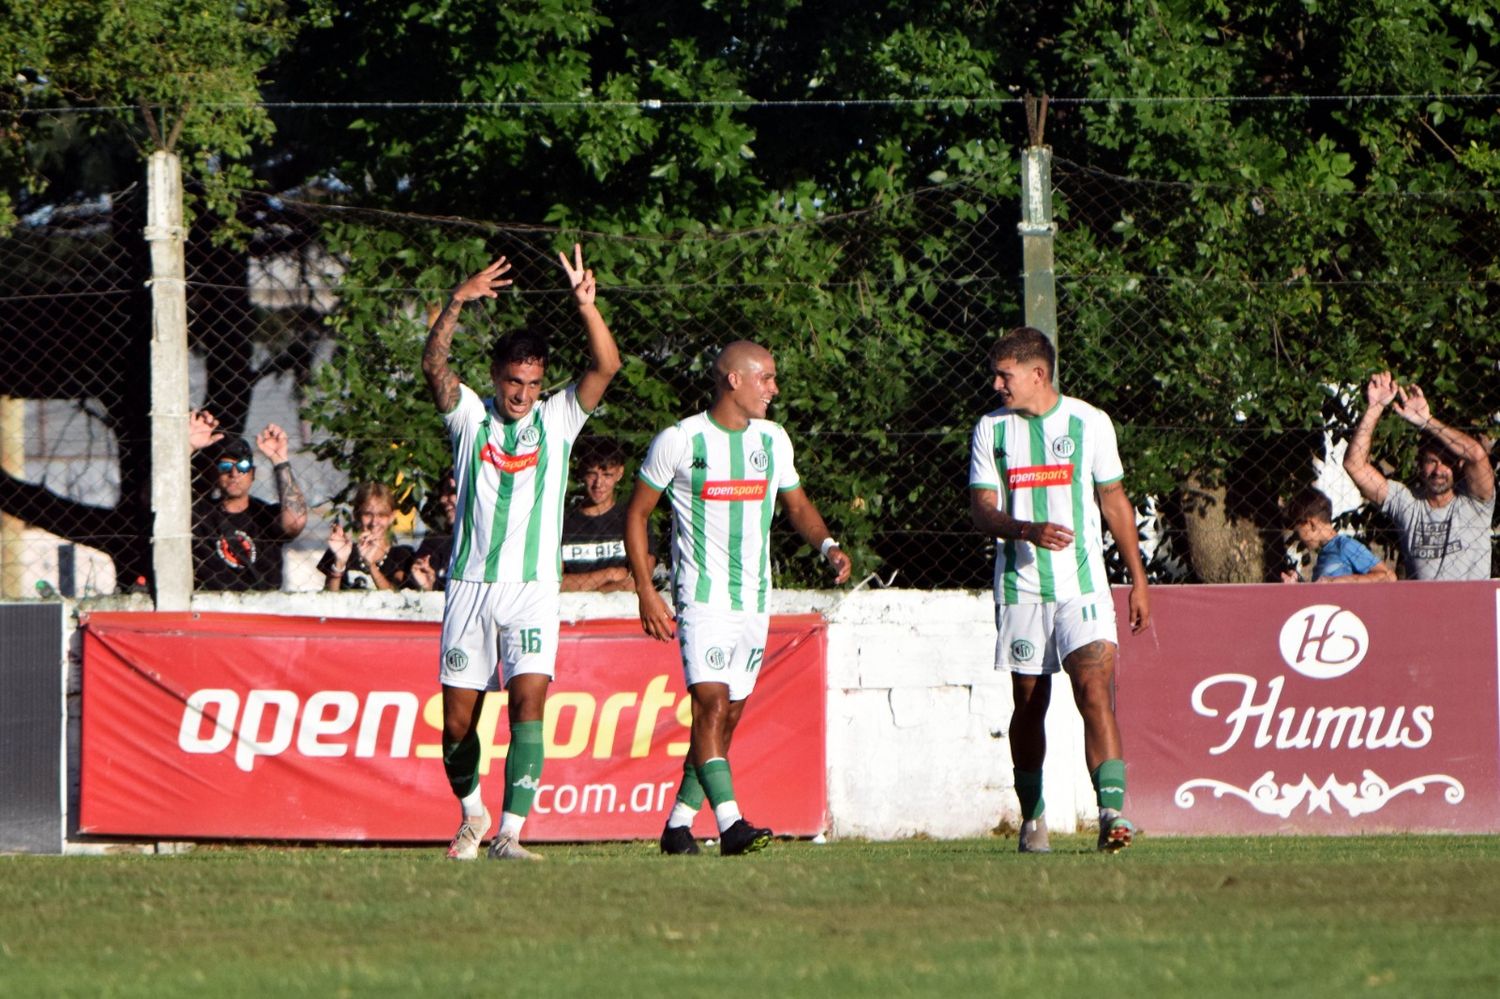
[[1063, 447], [759, 460], [1022, 650], [716, 658], [530, 436], [454, 660]]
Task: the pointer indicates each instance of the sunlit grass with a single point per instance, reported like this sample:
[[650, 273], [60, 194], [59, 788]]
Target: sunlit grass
[[1393, 915]]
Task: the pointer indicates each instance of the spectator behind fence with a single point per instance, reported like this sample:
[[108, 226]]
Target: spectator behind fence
[[1443, 521], [1339, 558], [369, 560], [237, 538], [593, 533], [429, 570]]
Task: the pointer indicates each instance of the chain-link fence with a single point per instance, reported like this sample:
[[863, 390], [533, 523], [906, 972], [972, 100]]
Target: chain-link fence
[[1229, 331]]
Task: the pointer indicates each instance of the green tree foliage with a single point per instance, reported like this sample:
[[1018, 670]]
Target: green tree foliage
[[1228, 318], [819, 231], [89, 89]]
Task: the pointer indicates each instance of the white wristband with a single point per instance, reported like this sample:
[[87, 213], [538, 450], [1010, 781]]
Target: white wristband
[[827, 544]]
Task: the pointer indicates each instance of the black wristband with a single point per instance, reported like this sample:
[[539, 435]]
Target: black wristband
[[280, 465]]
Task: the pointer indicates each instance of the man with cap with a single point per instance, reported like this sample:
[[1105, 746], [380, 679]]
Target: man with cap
[[237, 538]]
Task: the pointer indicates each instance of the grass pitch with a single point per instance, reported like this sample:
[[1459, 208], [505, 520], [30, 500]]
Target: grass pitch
[[1266, 916]]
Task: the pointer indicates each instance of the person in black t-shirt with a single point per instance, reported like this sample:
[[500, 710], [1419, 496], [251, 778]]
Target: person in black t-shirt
[[593, 534], [238, 538], [368, 560], [429, 570]]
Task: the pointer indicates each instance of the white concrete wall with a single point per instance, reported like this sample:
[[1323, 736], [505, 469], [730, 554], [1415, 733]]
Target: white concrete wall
[[917, 716]]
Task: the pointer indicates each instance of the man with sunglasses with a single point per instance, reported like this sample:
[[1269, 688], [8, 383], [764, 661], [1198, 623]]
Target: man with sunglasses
[[238, 538]]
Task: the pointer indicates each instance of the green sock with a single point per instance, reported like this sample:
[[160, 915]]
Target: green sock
[[1029, 790], [715, 779], [690, 791], [523, 767], [461, 763], [1109, 784]]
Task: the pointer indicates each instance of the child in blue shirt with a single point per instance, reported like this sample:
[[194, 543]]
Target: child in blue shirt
[[1340, 559]]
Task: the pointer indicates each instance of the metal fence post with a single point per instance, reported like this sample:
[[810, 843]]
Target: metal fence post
[[170, 487], [1037, 228]]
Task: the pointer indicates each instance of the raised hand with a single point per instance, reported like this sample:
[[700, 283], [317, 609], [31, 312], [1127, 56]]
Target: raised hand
[[423, 572], [372, 548], [272, 443], [340, 544], [581, 278], [1411, 405], [203, 429], [485, 284], [1381, 390]]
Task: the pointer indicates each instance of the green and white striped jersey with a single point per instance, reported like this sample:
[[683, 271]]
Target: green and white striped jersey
[[723, 486], [1046, 468], [512, 479]]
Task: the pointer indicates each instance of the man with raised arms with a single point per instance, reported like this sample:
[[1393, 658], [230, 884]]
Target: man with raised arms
[[1042, 469], [510, 461], [725, 469]]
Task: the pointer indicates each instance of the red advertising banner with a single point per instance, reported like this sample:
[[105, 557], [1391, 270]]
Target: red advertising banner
[[1313, 709], [202, 725]]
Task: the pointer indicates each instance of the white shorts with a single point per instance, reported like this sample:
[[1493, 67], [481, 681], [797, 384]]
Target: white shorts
[[722, 646], [1034, 639], [514, 625]]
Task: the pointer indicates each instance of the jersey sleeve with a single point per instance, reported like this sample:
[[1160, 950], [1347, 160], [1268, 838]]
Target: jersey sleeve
[[1106, 467], [662, 458], [983, 473], [466, 414], [786, 468], [565, 413]]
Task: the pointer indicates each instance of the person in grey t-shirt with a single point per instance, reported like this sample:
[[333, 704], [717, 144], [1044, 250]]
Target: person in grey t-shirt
[[1444, 518]]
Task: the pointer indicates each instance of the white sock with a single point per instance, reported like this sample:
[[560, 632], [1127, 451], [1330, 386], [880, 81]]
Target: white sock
[[727, 813], [682, 815], [473, 804], [510, 823]]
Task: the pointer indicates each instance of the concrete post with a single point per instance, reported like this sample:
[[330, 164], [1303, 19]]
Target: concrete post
[[171, 500], [1038, 230]]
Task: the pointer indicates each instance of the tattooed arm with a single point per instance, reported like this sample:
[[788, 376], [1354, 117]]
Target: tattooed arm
[[273, 444], [440, 378]]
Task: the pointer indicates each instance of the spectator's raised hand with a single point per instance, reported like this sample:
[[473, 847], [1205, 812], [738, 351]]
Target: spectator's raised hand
[[1411, 405], [203, 429], [372, 547], [340, 544], [1381, 390], [581, 278], [486, 284], [423, 572], [272, 443]]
